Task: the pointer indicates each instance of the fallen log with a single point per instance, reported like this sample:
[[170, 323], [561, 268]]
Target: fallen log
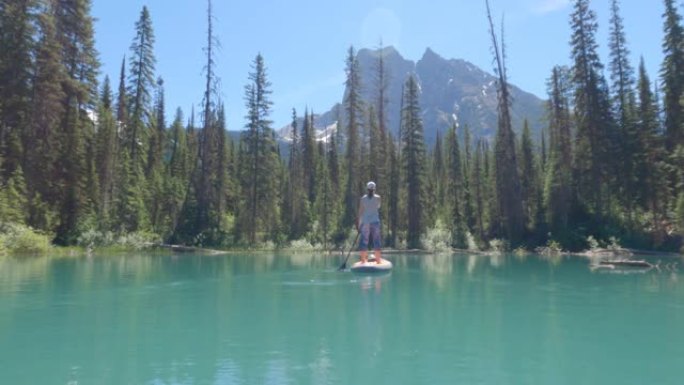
[[627, 263]]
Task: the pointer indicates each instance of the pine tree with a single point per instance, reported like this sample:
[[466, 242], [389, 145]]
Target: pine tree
[[595, 158], [295, 202], [528, 178], [122, 99], [622, 76], [413, 162], [651, 168], [468, 204], [309, 156], [456, 192], [131, 211], [353, 110], [479, 190], [47, 111], [558, 179], [261, 153], [672, 74], [140, 85], [13, 201], [74, 26], [178, 172], [379, 156], [438, 183], [507, 179], [376, 157], [107, 152], [17, 28], [155, 155], [393, 190], [323, 207]]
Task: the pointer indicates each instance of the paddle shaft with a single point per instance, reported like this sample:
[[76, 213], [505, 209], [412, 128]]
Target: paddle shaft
[[344, 264]]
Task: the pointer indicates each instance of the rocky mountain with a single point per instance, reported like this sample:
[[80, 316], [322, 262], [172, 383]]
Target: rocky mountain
[[452, 90]]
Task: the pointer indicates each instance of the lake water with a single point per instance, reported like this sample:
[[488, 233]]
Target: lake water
[[263, 319]]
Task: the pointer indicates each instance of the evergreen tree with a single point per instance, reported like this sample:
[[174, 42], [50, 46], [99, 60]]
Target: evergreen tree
[[479, 190], [42, 171], [379, 147], [413, 162], [309, 156], [393, 191], [178, 172], [376, 158], [455, 174], [122, 99], [17, 28], [528, 178], [155, 155], [651, 168], [13, 199], [295, 199], [438, 184], [323, 207], [558, 179], [261, 153], [106, 152], [622, 76], [468, 204], [507, 179], [131, 211], [140, 86], [672, 74], [595, 159], [74, 26], [353, 110]]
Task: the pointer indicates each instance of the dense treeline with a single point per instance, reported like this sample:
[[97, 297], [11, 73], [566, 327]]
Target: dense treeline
[[81, 160]]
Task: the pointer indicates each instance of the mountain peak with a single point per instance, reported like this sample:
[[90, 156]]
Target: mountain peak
[[430, 55], [385, 52], [453, 90]]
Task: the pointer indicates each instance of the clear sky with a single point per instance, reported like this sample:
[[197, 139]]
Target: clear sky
[[304, 42]]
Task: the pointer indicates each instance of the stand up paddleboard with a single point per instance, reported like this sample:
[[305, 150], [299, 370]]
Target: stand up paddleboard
[[371, 266]]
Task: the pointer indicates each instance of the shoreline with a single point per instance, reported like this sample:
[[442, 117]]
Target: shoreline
[[78, 251]]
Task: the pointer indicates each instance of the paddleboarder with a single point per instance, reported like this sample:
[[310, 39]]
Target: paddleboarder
[[368, 223]]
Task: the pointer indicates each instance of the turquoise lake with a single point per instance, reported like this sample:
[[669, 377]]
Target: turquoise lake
[[293, 319]]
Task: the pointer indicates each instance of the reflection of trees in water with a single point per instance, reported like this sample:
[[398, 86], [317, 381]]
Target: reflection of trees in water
[[472, 263], [497, 260], [438, 268], [14, 273]]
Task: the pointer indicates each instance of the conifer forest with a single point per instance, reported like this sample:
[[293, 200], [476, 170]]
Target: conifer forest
[[85, 156]]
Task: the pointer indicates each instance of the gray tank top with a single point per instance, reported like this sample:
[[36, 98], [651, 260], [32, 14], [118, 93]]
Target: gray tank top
[[369, 209]]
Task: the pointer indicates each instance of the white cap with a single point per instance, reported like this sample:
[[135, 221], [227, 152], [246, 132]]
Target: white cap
[[370, 186]]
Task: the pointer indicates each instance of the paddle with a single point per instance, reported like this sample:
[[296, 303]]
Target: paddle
[[344, 264]]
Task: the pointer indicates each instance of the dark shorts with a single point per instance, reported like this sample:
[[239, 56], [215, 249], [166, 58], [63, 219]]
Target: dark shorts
[[370, 230]]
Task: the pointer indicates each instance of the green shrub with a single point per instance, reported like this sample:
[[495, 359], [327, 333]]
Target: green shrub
[[552, 248], [498, 246], [437, 239], [22, 240], [301, 245], [138, 240], [471, 242], [93, 238], [128, 241]]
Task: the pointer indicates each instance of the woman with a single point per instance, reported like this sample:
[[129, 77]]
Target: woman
[[368, 223]]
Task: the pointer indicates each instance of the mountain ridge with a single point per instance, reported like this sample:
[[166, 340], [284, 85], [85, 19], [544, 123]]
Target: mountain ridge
[[452, 91]]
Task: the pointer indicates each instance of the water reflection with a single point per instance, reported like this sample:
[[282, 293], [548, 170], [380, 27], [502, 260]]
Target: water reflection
[[374, 281], [438, 267], [276, 319]]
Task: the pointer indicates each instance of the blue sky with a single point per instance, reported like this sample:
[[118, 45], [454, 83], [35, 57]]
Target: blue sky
[[304, 42]]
